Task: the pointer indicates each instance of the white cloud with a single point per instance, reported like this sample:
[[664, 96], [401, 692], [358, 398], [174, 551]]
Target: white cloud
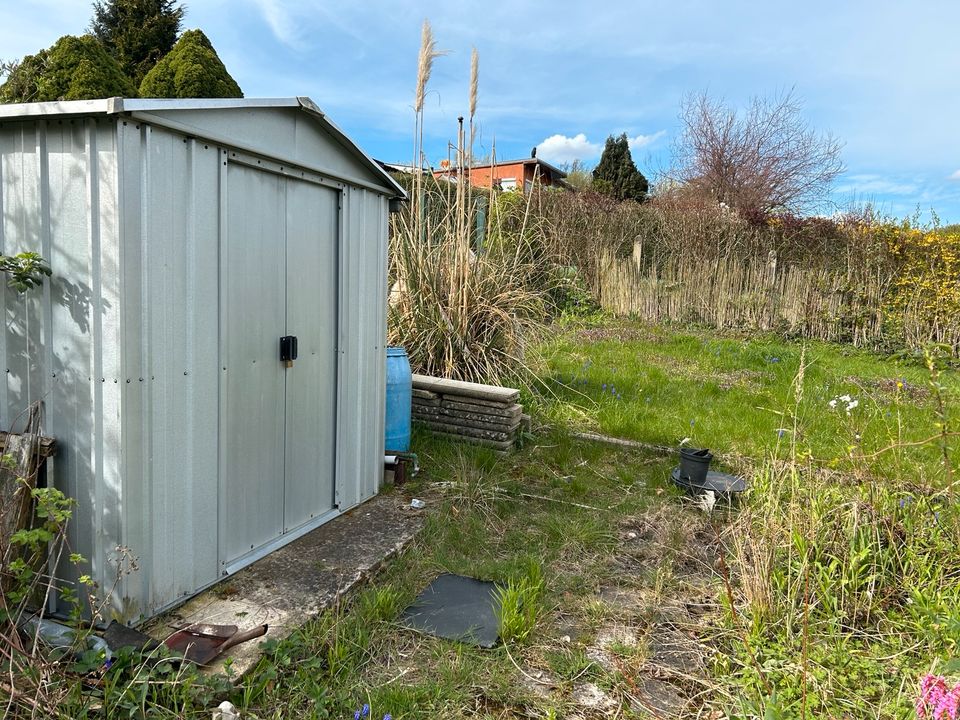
[[868, 183], [955, 176], [562, 149], [285, 28], [641, 141]]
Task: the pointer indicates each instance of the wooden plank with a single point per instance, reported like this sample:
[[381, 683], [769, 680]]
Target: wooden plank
[[465, 389], [18, 477], [47, 445]]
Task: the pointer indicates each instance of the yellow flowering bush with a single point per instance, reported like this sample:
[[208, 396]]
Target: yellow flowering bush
[[924, 301]]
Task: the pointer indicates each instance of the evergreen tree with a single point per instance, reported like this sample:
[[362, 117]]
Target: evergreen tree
[[616, 175], [191, 69], [136, 32], [74, 68]]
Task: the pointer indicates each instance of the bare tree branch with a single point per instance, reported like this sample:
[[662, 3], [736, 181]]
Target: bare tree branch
[[764, 159]]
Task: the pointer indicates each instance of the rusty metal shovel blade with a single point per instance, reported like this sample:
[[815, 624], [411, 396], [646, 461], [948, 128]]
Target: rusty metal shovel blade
[[203, 643]]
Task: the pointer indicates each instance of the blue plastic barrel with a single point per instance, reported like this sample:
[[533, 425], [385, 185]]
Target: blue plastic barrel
[[399, 393]]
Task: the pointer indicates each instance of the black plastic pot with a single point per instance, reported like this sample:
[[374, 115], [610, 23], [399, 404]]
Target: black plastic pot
[[694, 465]]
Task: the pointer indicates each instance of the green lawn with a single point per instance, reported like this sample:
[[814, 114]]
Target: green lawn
[[738, 395], [842, 572], [826, 593]]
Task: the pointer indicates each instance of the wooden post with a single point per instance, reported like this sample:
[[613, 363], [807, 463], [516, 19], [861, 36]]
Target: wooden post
[[771, 289]]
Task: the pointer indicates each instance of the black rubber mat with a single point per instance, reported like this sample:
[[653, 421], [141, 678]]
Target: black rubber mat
[[456, 608], [720, 483]]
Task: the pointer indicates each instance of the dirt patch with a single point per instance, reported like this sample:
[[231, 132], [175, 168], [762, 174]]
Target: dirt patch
[[620, 334], [891, 387]]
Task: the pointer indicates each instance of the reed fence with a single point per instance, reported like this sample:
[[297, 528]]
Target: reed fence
[[840, 304]]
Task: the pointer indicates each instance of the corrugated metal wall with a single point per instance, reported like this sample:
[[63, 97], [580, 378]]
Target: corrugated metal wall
[[170, 210], [363, 333], [122, 342], [58, 184]]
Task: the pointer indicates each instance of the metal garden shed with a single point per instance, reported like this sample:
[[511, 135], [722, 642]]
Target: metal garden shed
[[186, 238]]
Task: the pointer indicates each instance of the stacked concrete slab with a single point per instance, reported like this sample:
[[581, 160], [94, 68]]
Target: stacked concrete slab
[[481, 414]]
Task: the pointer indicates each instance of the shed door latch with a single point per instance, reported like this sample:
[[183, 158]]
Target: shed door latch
[[288, 350]]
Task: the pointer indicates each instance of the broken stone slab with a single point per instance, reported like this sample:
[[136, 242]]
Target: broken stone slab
[[466, 389], [510, 411], [425, 397], [454, 429], [499, 446], [659, 698], [483, 422], [479, 401]]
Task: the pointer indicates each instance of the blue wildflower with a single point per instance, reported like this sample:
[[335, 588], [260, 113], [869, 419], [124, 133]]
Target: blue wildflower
[[365, 710], [692, 422], [388, 716], [604, 388]]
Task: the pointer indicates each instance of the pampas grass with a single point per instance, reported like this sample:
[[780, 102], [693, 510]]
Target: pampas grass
[[459, 314]]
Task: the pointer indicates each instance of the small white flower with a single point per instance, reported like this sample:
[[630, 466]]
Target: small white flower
[[832, 403], [845, 398], [852, 404]]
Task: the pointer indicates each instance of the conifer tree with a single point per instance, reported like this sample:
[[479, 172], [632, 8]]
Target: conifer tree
[[616, 175], [138, 33], [191, 69], [73, 68]]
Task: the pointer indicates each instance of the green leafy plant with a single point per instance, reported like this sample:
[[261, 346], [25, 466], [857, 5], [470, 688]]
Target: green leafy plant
[[519, 604], [25, 270]]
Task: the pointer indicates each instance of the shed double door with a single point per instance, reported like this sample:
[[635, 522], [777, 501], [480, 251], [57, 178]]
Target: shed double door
[[277, 423]]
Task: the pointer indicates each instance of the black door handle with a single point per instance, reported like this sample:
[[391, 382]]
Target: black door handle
[[288, 349]]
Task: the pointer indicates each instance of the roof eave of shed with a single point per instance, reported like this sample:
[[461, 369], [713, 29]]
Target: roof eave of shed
[[118, 105]]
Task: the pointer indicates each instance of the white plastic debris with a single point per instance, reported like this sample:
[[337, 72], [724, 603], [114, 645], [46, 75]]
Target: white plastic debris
[[707, 500], [417, 504], [226, 711]]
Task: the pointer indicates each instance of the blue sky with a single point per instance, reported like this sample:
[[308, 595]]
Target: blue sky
[[882, 76]]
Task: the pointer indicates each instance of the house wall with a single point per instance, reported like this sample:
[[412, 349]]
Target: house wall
[[519, 172]]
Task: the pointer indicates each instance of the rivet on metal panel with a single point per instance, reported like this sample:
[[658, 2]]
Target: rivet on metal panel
[[184, 372], [141, 379], [128, 381]]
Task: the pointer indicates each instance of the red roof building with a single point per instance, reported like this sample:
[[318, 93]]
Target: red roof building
[[508, 175]]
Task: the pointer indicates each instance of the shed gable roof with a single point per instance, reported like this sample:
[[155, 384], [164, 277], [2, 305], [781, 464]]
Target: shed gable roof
[[208, 118]]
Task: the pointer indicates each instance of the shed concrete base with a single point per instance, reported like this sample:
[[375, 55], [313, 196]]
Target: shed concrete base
[[300, 580]]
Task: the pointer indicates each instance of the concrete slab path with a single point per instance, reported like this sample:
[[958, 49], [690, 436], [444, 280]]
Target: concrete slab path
[[300, 580]]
